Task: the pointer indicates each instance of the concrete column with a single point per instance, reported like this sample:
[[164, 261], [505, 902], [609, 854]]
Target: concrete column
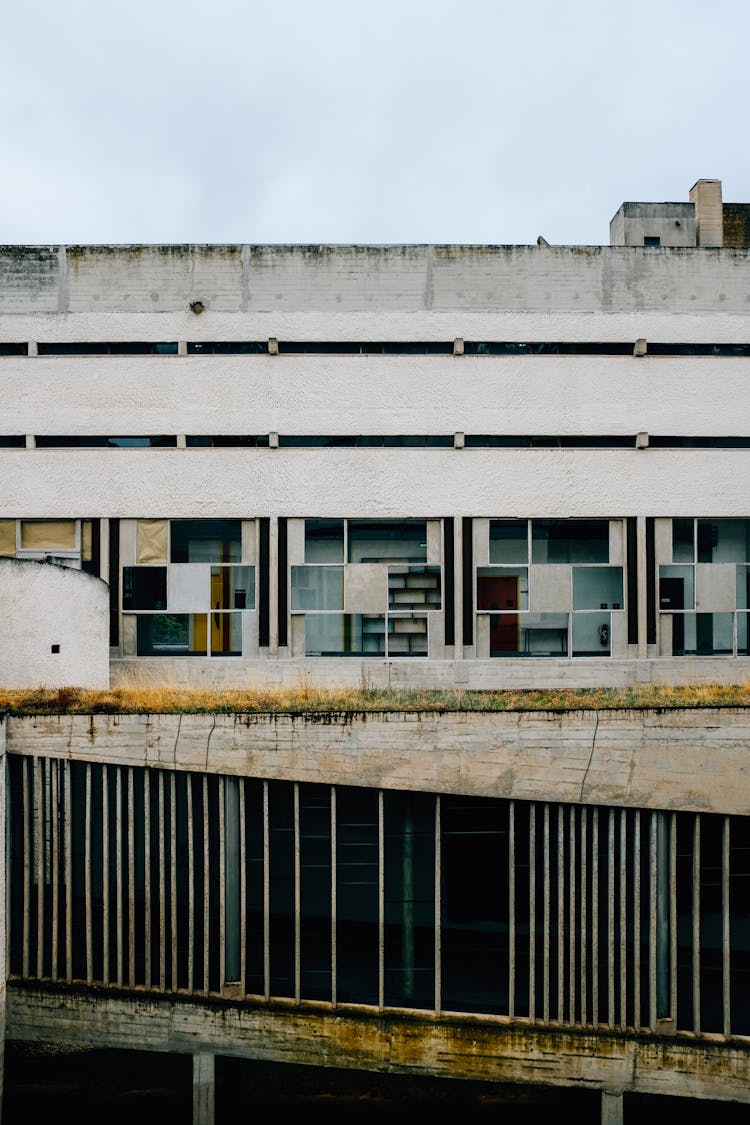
[[662, 916], [709, 212], [273, 588], [204, 1088], [611, 1108]]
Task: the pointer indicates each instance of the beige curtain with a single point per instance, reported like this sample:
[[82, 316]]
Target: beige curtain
[[7, 539], [153, 539], [48, 535]]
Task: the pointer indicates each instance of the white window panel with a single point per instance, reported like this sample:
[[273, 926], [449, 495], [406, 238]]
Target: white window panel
[[188, 588]]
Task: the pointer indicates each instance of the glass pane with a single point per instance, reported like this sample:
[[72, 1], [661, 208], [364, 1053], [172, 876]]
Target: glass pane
[[474, 935], [743, 587], [172, 634], [357, 895], [570, 541], [702, 634], [597, 587], [502, 588], [407, 636], [317, 587], [591, 634], [723, 541], [409, 847], [414, 587], [386, 540], [743, 634], [683, 547], [281, 886], [528, 634], [144, 587], [344, 634], [676, 587], [207, 541], [226, 634], [324, 541], [315, 891], [509, 541], [232, 587]]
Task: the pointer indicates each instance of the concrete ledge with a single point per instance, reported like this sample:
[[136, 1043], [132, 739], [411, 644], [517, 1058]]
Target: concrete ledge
[[693, 760], [394, 1043]]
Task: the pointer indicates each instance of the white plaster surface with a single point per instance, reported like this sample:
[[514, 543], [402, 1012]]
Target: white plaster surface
[[318, 394], [42, 605], [231, 483]]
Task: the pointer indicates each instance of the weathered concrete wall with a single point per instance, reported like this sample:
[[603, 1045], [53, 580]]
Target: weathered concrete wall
[[231, 483], [477, 1049], [693, 760], [42, 606], [349, 278]]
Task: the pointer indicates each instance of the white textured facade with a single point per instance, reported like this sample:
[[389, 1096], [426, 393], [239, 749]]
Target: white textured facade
[[588, 400]]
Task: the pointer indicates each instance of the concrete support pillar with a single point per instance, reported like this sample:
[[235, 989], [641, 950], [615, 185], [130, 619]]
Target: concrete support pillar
[[204, 1088], [231, 920], [662, 916], [611, 1108], [642, 563]]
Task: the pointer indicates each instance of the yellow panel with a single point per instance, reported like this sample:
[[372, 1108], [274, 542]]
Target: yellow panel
[[48, 535], [86, 540], [7, 539], [153, 539], [200, 633]]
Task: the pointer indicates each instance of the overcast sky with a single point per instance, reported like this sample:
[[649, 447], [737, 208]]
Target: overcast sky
[[363, 120]]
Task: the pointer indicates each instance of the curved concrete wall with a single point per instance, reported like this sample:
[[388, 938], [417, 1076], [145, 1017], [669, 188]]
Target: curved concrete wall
[[43, 607]]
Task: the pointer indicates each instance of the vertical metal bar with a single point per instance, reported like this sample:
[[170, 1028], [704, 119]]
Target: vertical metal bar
[[511, 909], [266, 897], [673, 919], [334, 966], [611, 919], [637, 1018], [162, 837], [173, 915], [191, 886], [623, 918], [381, 904], [87, 877], [131, 881], [545, 907], [206, 890], [243, 885], [726, 936], [105, 874], [438, 910], [532, 913], [584, 919], [118, 872], [560, 913], [297, 898], [55, 864], [26, 764], [222, 886], [697, 924], [147, 878], [572, 914], [652, 925], [39, 846], [68, 876], [595, 916]]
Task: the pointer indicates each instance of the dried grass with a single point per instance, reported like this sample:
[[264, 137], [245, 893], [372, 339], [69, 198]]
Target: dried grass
[[166, 698]]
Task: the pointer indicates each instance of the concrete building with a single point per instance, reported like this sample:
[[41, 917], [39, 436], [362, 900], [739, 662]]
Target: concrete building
[[439, 466]]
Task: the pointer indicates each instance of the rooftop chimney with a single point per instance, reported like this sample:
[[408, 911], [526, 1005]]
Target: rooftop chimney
[[709, 212]]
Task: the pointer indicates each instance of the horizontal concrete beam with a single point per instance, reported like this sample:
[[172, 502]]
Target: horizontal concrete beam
[[693, 760], [410, 1044]]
